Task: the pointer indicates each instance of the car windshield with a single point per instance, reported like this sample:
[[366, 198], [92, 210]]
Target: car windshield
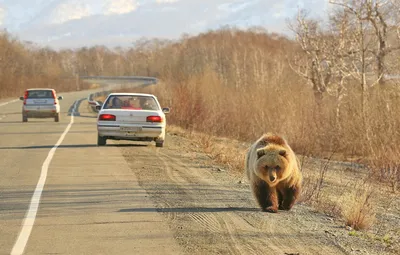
[[40, 94], [131, 102]]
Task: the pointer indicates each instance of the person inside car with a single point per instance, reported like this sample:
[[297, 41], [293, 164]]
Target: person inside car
[[146, 104], [116, 103], [131, 104]]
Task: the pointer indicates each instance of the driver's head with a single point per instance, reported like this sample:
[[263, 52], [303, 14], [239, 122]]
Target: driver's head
[[117, 102]]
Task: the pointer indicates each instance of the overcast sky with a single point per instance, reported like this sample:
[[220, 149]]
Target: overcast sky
[[74, 23]]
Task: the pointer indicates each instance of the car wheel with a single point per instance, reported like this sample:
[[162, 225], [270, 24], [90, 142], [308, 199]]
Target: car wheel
[[57, 117], [159, 144], [24, 119], [101, 141]]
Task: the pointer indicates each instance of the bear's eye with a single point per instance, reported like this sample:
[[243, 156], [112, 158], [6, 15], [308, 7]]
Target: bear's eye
[[277, 168]]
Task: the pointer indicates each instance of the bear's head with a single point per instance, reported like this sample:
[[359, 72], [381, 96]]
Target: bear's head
[[273, 164]]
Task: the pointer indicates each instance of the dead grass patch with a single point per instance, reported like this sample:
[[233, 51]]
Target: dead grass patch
[[359, 209], [224, 153]]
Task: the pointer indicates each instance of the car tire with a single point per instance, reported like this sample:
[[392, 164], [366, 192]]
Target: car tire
[[159, 144], [24, 119], [101, 141], [57, 117]]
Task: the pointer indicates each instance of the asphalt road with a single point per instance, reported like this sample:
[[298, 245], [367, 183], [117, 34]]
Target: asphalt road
[[68, 200]]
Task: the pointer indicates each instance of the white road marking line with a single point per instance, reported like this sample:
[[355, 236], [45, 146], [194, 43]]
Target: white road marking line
[[9, 102], [30, 216]]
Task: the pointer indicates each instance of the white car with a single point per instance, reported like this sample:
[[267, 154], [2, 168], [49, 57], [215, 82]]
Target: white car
[[41, 103], [131, 116]]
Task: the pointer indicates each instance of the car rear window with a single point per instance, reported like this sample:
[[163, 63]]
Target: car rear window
[[131, 102], [40, 94]]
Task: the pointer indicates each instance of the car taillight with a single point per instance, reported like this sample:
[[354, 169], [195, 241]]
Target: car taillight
[[107, 117], [154, 119], [54, 96], [25, 97]]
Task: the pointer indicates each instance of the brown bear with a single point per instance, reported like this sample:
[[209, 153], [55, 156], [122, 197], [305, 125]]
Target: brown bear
[[273, 171]]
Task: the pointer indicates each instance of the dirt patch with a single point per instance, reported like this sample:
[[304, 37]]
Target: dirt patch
[[210, 208]]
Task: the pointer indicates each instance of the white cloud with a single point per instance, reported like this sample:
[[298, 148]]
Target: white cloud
[[120, 6], [67, 11]]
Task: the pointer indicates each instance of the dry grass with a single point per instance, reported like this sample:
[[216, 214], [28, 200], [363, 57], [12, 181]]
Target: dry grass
[[22, 67], [342, 191], [222, 151], [313, 183], [359, 211]]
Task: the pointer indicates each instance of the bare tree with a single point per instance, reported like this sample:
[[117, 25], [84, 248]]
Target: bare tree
[[314, 63], [377, 19]]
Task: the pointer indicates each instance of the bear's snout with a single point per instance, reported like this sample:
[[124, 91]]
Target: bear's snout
[[272, 176]]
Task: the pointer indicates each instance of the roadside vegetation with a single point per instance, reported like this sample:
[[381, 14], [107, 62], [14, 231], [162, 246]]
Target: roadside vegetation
[[328, 92], [23, 65]]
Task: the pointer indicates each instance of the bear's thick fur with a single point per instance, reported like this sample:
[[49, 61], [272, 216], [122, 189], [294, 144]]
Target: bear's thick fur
[[273, 171]]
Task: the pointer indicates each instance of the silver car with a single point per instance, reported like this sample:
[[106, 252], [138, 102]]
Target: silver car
[[131, 116], [40, 103]]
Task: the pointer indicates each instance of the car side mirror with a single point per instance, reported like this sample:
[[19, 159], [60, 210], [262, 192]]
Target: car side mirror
[[98, 107], [166, 110], [21, 98], [60, 98]]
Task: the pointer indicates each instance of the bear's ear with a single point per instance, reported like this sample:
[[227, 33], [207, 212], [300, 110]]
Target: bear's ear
[[282, 153], [260, 153]]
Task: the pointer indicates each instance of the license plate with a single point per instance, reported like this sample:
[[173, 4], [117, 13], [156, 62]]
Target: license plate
[[131, 129], [40, 101]]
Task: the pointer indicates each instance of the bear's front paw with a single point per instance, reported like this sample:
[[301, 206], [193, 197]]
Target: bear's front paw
[[270, 209], [285, 207]]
